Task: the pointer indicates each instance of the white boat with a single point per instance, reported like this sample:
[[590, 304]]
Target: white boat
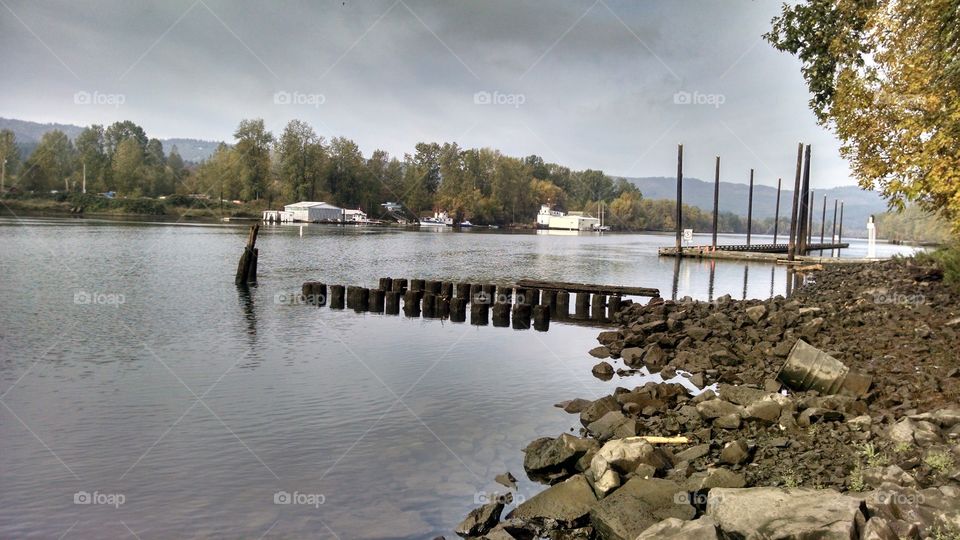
[[439, 219], [549, 218], [466, 224]]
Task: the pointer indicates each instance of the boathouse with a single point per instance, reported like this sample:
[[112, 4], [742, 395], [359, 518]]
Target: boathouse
[[312, 212]]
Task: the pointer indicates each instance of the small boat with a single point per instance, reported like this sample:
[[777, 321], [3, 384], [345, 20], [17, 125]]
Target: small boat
[[439, 219], [466, 224]]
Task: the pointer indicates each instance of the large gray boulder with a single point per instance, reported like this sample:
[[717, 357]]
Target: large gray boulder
[[678, 529], [637, 505], [563, 505], [784, 514], [546, 456]]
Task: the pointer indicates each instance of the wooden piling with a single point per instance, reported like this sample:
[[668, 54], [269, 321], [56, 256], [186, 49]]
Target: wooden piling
[[351, 296], [443, 306], [598, 307], [411, 303], [429, 305], [363, 299], [563, 305], [776, 215], [479, 313], [840, 225], [521, 316], [679, 215], [432, 286], [504, 294], [613, 306], [488, 289], [474, 291], [400, 285], [801, 242], [418, 285], [391, 301], [458, 309], [532, 297], [247, 267], [386, 284], [376, 301], [810, 221], [716, 200], [549, 299], [446, 289], [750, 208], [541, 318], [582, 310], [792, 241], [336, 296], [501, 314], [463, 291]]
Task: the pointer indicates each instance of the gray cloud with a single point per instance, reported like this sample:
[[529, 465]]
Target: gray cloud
[[597, 79]]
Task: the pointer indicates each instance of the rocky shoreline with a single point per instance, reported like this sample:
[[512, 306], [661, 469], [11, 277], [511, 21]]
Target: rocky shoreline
[[751, 457]]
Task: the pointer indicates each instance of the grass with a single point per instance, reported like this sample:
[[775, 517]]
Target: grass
[[945, 534], [873, 457], [948, 259], [856, 479], [792, 480], [941, 462], [902, 448]]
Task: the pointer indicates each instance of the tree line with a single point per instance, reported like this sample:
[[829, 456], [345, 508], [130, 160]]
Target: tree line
[[477, 184]]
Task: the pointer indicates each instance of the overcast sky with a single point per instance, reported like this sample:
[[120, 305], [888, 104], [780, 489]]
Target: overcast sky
[[589, 84]]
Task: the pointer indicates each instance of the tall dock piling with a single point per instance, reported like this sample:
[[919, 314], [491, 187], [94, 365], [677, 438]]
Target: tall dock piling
[[792, 241], [716, 201], [247, 267], [776, 214], [750, 209], [679, 216]]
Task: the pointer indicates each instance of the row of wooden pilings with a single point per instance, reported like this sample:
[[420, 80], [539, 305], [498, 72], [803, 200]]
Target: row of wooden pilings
[[487, 302]]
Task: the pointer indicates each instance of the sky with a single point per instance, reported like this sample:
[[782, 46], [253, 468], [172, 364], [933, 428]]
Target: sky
[[604, 84]]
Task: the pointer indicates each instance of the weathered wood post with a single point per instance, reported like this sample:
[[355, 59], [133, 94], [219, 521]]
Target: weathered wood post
[[598, 307], [810, 221], [446, 289], [532, 297], [716, 201], [463, 291], [488, 289], [840, 228], [458, 309], [823, 219], [679, 216], [391, 301], [433, 286], [474, 291], [429, 305], [804, 202], [479, 313], [833, 233], [400, 285], [501, 314], [351, 296], [247, 267], [417, 285], [376, 300], [563, 305], [336, 296], [750, 208], [386, 284], [521, 316], [776, 214], [504, 294], [613, 306], [549, 299], [792, 241], [411, 303], [363, 300], [583, 304], [541, 318], [443, 306]]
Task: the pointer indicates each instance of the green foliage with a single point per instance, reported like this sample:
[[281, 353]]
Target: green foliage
[[948, 259], [940, 461], [885, 75]]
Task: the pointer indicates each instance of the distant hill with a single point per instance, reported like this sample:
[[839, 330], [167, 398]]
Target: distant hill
[[29, 134], [858, 203]]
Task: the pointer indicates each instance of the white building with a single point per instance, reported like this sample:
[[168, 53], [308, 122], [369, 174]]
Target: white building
[[548, 218], [358, 216], [314, 211], [277, 216]]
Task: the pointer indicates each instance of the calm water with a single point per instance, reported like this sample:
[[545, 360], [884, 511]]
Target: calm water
[[134, 371]]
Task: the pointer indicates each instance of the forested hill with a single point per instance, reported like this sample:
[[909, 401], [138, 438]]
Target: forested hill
[[29, 134], [858, 203]]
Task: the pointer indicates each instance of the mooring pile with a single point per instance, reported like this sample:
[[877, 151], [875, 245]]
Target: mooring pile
[[522, 303]]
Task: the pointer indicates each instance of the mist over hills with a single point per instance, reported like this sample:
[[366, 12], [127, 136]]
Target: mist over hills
[[858, 205], [29, 134]]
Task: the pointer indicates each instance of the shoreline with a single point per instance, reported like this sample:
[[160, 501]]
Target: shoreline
[[884, 463]]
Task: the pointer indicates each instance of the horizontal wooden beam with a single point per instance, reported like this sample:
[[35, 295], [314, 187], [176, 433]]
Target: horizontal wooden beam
[[589, 288]]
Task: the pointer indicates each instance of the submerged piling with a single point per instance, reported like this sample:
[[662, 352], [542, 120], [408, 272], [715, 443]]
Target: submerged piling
[[582, 310], [521, 316], [411, 303], [549, 299], [376, 300], [613, 306], [598, 307], [336, 296], [386, 284], [479, 313], [463, 290], [563, 305], [429, 305], [501, 314], [400, 285], [458, 309], [541, 318], [391, 301], [417, 285]]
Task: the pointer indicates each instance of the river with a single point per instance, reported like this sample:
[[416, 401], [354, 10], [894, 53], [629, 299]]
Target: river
[[144, 395]]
